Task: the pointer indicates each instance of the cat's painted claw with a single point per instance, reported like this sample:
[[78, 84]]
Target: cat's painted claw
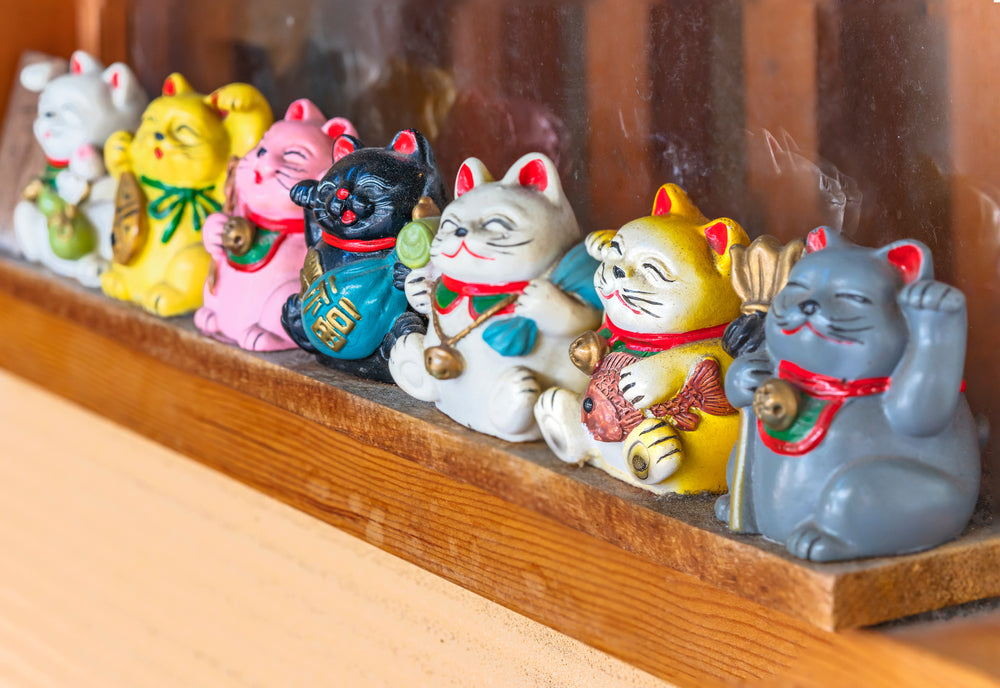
[[557, 413], [406, 365], [418, 290], [641, 383], [538, 299], [206, 321], [930, 295], [811, 542], [115, 286], [256, 338], [597, 242], [514, 395], [745, 375]]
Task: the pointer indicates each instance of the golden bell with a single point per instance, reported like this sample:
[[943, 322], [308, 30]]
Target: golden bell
[[237, 235], [443, 362], [587, 351], [33, 190], [776, 403]]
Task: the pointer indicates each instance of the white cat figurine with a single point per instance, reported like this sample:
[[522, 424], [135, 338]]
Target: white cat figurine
[[65, 223], [507, 270]]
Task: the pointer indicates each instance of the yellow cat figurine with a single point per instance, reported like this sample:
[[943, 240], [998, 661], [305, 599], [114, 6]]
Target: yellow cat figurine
[[171, 175], [655, 413]]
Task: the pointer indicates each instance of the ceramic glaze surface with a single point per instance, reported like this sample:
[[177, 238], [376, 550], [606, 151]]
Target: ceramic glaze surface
[[179, 156], [249, 283], [65, 223], [509, 245], [654, 413], [352, 308], [880, 455]]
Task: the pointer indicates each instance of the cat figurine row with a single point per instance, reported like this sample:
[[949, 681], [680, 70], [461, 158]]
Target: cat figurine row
[[840, 429]]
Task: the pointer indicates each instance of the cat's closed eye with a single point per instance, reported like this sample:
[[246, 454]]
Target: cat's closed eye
[[657, 271], [498, 224], [851, 296], [795, 285]]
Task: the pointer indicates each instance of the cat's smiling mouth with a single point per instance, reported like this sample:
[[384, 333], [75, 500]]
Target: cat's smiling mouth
[[817, 333], [608, 297], [468, 250]]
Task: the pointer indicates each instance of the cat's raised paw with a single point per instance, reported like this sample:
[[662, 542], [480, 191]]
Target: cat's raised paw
[[512, 404], [930, 295], [653, 451]]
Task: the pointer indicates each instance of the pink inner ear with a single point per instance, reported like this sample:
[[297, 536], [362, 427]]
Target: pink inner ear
[[295, 111], [816, 240], [661, 206], [75, 66], [341, 147], [717, 236], [465, 180], [533, 174], [169, 88], [405, 143], [907, 259]]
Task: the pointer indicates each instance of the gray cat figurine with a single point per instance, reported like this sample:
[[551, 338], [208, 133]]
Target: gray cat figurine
[[864, 443]]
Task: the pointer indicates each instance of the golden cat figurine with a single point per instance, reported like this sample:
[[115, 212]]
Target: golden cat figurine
[[655, 414], [176, 163]]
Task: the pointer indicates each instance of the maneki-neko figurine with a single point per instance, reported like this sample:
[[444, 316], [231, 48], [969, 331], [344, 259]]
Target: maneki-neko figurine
[[351, 307], [863, 442], [171, 177], [507, 286], [257, 242], [655, 414], [65, 220]]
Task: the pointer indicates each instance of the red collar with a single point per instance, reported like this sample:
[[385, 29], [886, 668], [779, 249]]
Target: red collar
[[286, 226], [58, 164], [827, 387], [359, 245], [638, 341], [475, 289]]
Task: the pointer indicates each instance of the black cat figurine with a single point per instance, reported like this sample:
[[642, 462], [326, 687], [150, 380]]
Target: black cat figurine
[[352, 307]]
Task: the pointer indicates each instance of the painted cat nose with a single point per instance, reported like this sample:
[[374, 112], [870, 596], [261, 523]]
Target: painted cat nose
[[809, 307], [461, 232], [158, 136], [617, 272]]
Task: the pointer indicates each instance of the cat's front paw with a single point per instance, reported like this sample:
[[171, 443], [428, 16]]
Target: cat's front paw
[[418, 290], [116, 153], [745, 375], [71, 187], [641, 383], [538, 300], [597, 242], [931, 296], [653, 451]]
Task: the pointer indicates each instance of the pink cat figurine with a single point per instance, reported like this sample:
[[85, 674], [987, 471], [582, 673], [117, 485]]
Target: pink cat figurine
[[257, 249]]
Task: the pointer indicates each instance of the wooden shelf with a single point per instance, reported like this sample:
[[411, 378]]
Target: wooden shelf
[[655, 581]]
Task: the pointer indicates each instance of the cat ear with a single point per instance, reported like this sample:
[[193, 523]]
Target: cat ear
[[411, 142], [302, 110], [471, 174], [722, 234], [175, 85], [538, 172], [912, 259], [344, 145], [338, 126], [823, 237], [34, 77], [672, 200], [126, 93], [81, 62]]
